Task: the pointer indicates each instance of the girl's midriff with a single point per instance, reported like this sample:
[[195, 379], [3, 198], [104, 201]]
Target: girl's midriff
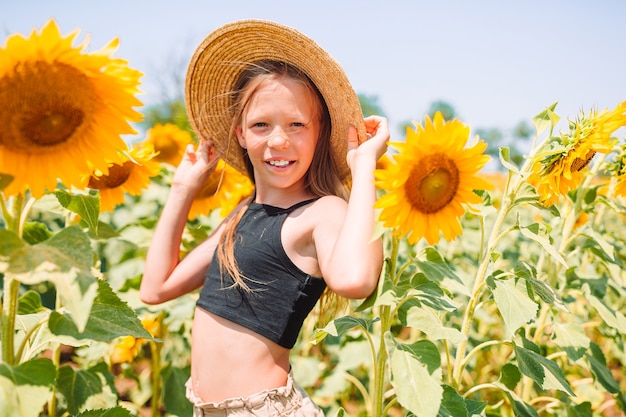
[[231, 361]]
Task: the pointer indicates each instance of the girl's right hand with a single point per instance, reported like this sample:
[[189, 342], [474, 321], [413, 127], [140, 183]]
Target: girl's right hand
[[195, 167]]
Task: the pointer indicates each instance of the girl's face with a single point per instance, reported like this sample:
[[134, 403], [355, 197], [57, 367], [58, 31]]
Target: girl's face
[[280, 128]]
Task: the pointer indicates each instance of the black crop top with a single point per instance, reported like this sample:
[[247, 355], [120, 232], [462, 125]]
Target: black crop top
[[282, 295]]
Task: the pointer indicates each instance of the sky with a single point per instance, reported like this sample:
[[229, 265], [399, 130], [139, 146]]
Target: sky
[[497, 63]]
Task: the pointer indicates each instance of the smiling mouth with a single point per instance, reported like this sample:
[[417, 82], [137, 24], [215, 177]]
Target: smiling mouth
[[279, 164]]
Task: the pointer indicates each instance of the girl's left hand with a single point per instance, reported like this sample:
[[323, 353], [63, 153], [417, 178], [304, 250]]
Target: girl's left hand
[[374, 146]]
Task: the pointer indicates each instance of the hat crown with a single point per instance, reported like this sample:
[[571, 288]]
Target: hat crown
[[225, 53]]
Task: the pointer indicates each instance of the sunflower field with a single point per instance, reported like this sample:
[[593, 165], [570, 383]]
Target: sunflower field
[[503, 293]]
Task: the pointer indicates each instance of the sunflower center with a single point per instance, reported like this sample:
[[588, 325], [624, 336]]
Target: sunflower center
[[47, 106], [118, 174], [210, 187], [578, 164], [432, 183], [167, 149]]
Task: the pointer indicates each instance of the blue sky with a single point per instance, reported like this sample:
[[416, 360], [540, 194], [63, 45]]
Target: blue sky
[[496, 62]]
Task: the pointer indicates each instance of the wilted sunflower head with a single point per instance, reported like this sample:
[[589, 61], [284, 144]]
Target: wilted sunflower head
[[563, 164], [169, 141], [129, 176], [429, 180], [63, 109]]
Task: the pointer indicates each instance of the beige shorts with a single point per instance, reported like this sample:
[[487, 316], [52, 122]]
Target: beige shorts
[[287, 401]]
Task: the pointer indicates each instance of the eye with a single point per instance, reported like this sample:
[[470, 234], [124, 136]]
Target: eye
[[259, 124]]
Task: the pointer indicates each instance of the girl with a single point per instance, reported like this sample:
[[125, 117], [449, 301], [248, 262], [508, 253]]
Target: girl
[[297, 134]]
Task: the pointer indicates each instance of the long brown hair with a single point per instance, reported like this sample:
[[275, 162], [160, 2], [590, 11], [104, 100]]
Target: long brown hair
[[322, 177]]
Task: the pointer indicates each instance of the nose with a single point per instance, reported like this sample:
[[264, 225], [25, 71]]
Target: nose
[[278, 139]]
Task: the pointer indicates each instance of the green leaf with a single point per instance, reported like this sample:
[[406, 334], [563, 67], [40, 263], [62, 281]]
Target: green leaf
[[514, 304], [426, 352], [602, 373], [5, 180], [65, 260], [547, 293], [173, 391], [87, 206], [413, 314], [109, 412], [602, 247], [572, 339], [9, 243], [475, 408], [612, 318], [545, 372], [452, 404], [38, 372], [353, 354], [505, 160], [110, 318], [579, 410], [29, 303], [543, 242], [416, 389], [435, 267], [510, 375], [546, 119], [78, 386], [341, 413], [521, 409], [25, 388], [428, 293], [342, 325], [35, 232]]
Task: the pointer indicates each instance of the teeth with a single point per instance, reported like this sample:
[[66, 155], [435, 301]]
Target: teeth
[[279, 163]]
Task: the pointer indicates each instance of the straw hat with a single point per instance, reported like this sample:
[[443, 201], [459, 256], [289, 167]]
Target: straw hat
[[227, 51]]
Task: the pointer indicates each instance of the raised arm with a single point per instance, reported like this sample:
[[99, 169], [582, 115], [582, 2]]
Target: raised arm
[[164, 276], [349, 256]]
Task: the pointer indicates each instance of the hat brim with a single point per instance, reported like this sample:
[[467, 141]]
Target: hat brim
[[220, 59]]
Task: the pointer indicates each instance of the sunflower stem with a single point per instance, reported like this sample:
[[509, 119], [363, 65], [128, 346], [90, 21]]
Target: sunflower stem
[[56, 360], [381, 362], [6, 215], [11, 287], [9, 312], [155, 351], [378, 382], [481, 275]]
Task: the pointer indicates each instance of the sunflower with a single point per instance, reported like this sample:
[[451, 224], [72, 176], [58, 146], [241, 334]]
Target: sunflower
[[169, 141], [63, 110], [153, 324], [128, 177], [126, 349], [224, 188], [617, 169], [562, 167], [430, 179]]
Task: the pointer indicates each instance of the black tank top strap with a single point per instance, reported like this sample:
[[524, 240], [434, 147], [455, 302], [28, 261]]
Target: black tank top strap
[[300, 204], [273, 210]]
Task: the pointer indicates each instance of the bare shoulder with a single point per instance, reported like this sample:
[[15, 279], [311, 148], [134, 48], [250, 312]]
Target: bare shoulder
[[327, 211], [329, 201]]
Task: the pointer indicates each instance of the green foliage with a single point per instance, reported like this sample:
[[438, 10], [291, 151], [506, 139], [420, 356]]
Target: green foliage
[[172, 111], [370, 105], [446, 109], [523, 315]]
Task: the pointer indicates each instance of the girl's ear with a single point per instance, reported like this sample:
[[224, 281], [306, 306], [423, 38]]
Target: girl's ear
[[240, 138]]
